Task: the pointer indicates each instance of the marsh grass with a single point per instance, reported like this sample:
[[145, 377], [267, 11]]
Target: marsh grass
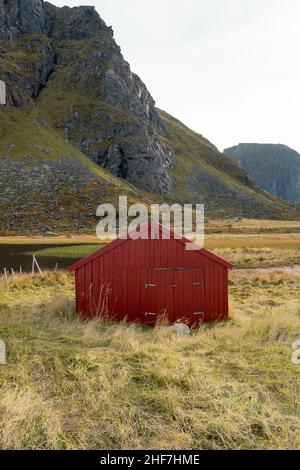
[[73, 251], [259, 257], [71, 384]]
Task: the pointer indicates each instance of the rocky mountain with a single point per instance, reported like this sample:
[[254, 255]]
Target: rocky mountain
[[276, 168], [21, 17], [80, 128]]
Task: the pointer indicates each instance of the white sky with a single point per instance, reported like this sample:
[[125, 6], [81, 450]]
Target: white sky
[[229, 69]]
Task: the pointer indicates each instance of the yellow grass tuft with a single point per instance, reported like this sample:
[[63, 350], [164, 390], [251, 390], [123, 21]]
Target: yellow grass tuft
[[259, 257]]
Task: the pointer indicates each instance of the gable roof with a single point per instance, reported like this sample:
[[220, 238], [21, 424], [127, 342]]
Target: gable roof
[[146, 227]]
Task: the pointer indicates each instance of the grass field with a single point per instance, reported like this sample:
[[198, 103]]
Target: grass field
[[239, 257], [214, 229], [252, 226], [259, 257], [244, 251], [78, 251], [252, 244], [70, 384], [276, 241]]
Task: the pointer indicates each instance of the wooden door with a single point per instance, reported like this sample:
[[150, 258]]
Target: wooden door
[[189, 296], [157, 296]]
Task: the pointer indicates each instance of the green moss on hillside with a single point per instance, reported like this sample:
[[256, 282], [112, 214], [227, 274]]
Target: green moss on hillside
[[27, 139]]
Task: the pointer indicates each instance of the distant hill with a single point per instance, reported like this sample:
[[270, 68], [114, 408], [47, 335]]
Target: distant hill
[[80, 128], [276, 168]]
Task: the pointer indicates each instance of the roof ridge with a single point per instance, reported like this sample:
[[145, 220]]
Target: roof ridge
[[150, 224]]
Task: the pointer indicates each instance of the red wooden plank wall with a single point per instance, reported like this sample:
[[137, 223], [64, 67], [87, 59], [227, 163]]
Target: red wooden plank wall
[[128, 267]]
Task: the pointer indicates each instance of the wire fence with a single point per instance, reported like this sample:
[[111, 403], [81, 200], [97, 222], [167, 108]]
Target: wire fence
[[19, 268]]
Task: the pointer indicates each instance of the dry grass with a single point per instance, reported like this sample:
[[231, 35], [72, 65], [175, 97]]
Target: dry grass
[[215, 230], [283, 241], [259, 257], [71, 384], [237, 225]]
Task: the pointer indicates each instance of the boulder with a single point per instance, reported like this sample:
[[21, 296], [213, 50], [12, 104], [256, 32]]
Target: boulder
[[180, 328]]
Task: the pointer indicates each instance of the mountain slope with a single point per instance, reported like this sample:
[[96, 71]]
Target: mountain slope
[[276, 168], [46, 183], [80, 128], [91, 94], [203, 175]]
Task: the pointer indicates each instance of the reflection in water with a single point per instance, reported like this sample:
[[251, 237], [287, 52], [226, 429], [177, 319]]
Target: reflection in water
[[14, 256]]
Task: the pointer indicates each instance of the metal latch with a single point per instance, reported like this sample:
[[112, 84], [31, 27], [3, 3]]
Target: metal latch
[[149, 285], [202, 314], [149, 314]]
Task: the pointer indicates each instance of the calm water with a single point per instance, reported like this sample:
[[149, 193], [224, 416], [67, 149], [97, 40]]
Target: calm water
[[12, 256]]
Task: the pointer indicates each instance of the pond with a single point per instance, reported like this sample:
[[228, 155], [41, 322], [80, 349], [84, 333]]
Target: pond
[[49, 256]]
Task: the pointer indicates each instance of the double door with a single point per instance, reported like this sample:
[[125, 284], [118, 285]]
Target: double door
[[177, 294]]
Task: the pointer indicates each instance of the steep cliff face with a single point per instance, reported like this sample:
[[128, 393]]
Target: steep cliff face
[[26, 65], [21, 17], [124, 132], [276, 168], [73, 23], [27, 56]]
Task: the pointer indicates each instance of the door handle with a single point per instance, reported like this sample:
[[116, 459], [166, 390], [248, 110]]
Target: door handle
[[200, 314], [149, 285], [149, 314]]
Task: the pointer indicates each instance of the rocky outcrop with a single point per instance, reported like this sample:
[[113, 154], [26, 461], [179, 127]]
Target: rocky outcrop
[[76, 23], [49, 195], [21, 17], [223, 195], [123, 131], [276, 168], [31, 61], [148, 162]]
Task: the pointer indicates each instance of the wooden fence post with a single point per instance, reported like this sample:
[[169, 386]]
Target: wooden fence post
[[37, 265], [6, 277]]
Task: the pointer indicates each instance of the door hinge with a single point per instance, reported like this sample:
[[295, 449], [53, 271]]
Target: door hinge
[[149, 285], [201, 314], [198, 284], [149, 314]]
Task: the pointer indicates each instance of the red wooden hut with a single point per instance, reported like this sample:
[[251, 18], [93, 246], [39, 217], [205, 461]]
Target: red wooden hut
[[151, 277]]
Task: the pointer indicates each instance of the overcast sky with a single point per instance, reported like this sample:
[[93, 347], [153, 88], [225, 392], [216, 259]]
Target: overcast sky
[[229, 69]]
